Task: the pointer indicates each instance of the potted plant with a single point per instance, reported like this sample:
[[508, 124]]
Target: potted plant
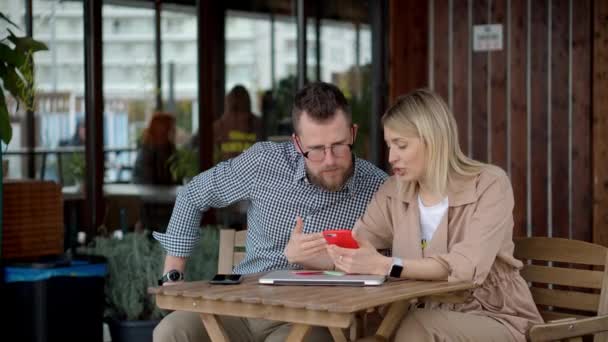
[[135, 262], [16, 74], [183, 164], [76, 169]]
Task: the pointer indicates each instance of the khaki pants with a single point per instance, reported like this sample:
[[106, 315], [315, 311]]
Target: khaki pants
[[442, 325], [187, 326]]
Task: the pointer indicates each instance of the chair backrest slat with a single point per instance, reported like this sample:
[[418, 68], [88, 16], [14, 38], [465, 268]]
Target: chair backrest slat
[[566, 299], [559, 287], [560, 250], [231, 249], [563, 276], [239, 238]]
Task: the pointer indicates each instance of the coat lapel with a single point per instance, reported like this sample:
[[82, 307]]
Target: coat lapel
[[406, 244]]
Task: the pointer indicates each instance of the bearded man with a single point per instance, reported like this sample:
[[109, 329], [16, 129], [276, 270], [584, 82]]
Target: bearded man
[[296, 190]]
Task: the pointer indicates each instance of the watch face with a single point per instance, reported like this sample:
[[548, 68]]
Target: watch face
[[396, 271], [173, 276]]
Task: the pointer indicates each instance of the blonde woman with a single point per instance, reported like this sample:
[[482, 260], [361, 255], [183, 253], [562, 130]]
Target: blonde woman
[[446, 217]]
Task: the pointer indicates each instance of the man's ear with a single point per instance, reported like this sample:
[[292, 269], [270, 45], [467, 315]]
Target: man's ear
[[355, 130], [295, 142]]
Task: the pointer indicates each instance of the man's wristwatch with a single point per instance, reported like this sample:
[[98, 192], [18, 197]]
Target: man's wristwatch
[[396, 268], [170, 277]]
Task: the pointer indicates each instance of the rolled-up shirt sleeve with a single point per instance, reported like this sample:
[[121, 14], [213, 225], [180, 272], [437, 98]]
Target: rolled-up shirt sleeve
[[472, 258], [226, 183]]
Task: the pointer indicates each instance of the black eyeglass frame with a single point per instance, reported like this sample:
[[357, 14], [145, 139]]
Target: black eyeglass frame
[[305, 154]]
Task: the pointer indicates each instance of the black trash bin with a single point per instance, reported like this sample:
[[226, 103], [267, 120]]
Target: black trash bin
[[56, 299]]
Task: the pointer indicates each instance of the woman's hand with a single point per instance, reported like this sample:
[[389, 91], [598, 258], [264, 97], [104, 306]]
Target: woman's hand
[[363, 260]]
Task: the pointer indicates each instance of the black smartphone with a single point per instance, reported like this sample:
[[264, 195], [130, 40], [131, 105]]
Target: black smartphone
[[226, 279]]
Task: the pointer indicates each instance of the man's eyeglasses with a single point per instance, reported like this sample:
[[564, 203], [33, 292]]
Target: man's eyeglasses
[[318, 154]]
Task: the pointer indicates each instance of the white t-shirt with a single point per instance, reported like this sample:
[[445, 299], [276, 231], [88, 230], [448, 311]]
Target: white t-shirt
[[430, 217]]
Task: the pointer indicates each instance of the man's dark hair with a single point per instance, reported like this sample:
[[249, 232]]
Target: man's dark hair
[[320, 101]]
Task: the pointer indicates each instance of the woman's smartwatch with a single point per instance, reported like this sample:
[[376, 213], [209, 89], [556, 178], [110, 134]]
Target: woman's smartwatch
[[171, 277], [396, 268]]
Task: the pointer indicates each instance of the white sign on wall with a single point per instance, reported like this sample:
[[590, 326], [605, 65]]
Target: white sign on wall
[[487, 37]]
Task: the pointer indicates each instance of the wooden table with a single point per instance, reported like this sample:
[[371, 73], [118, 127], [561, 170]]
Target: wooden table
[[334, 307]]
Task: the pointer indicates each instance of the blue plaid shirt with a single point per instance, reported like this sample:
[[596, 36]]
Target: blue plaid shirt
[[272, 177]]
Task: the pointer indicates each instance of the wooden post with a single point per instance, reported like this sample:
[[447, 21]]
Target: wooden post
[[408, 46], [94, 115]]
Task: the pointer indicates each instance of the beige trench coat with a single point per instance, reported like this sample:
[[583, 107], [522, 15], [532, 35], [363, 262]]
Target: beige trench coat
[[473, 241]]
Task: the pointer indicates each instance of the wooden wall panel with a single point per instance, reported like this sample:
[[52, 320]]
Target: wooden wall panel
[[526, 108], [600, 122], [559, 120], [581, 129], [519, 115], [480, 87], [538, 112], [441, 49], [460, 86], [497, 138]]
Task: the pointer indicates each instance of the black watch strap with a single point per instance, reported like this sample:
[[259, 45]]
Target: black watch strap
[[171, 276]]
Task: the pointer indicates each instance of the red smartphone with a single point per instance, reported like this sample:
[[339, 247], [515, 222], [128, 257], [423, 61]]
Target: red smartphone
[[340, 237]]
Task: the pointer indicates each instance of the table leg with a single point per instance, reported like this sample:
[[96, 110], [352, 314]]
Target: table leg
[[393, 317], [298, 332], [214, 328], [337, 334]]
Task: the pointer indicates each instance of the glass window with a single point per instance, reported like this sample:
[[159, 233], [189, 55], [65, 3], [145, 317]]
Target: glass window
[[59, 81], [346, 62], [180, 85], [129, 82]]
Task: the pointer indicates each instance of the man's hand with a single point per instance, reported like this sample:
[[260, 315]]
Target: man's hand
[[363, 260], [302, 248]]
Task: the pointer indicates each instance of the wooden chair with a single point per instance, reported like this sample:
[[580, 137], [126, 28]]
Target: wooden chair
[[573, 301], [232, 249]]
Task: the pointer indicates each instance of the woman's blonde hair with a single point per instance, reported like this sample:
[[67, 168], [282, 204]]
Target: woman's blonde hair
[[424, 114]]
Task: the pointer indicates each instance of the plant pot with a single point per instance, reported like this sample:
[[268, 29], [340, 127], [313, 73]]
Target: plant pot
[[80, 186], [132, 331]]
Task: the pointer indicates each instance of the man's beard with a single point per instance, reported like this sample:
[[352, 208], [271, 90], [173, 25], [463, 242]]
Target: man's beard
[[321, 182]]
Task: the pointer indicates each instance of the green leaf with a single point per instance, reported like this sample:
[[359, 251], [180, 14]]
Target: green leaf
[[5, 18], [24, 44], [12, 57], [6, 131], [14, 84]]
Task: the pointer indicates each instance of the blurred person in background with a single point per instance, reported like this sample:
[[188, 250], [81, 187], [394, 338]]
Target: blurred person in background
[[157, 145], [79, 136], [234, 131], [152, 167]]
